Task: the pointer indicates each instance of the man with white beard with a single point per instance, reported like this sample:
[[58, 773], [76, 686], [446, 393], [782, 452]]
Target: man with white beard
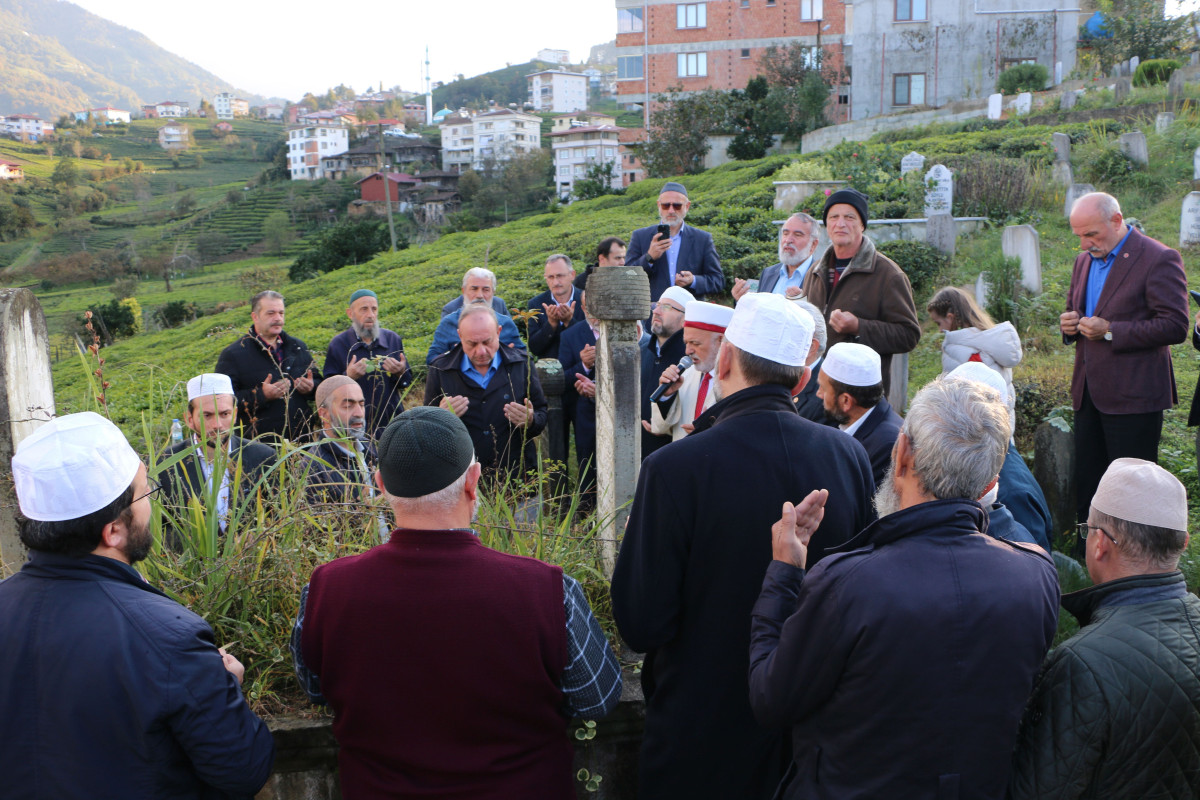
[[687, 395], [903, 659], [797, 245]]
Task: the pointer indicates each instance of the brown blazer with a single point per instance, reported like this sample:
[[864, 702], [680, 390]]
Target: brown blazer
[[1145, 303]]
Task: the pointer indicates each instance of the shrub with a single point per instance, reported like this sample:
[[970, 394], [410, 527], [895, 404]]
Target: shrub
[[342, 245], [175, 313], [113, 320], [809, 170], [1023, 78], [125, 286], [1155, 71], [921, 262], [992, 186]]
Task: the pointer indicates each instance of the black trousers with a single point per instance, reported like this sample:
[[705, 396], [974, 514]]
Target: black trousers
[[1100, 439]]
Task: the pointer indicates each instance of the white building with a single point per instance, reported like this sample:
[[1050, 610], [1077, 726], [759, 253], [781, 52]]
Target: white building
[[26, 127], [308, 144], [172, 108], [175, 136], [10, 171], [579, 142], [271, 111], [554, 56], [228, 107], [558, 91], [496, 136], [103, 116]]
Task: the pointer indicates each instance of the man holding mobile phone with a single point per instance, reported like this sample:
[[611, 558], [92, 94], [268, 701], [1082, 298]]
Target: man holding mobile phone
[[674, 254]]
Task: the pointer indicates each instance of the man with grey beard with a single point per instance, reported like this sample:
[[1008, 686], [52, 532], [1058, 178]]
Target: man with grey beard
[[904, 658], [374, 358], [797, 245], [342, 461]]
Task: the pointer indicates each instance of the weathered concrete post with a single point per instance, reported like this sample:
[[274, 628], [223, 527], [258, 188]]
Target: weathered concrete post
[[554, 441], [1054, 470], [617, 297], [898, 383], [26, 401]]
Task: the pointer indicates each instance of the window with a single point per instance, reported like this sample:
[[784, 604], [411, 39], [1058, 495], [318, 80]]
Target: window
[[908, 90], [629, 68], [811, 9], [591, 152], [629, 20], [745, 52], [745, 3], [693, 65], [770, 3], [1012, 62], [910, 11], [690, 15], [810, 57]]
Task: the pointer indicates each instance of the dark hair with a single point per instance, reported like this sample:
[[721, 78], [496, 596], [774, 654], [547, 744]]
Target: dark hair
[[1157, 547], [76, 537], [265, 295], [605, 247], [759, 371], [863, 396], [967, 313]]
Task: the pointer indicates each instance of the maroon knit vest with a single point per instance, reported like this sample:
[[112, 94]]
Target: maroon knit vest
[[442, 659]]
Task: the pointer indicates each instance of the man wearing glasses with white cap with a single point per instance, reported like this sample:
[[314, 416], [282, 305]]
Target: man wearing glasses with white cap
[[1116, 708], [211, 414], [107, 687]]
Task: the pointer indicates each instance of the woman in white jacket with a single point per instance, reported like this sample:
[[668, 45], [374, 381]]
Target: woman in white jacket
[[971, 335]]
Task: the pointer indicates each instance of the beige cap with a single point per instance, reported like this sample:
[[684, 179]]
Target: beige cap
[[1138, 491], [329, 386]]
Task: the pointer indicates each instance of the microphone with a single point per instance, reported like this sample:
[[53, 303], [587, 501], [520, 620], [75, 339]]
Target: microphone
[[682, 366]]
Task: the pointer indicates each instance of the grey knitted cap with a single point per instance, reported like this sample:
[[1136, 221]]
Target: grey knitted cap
[[423, 451]]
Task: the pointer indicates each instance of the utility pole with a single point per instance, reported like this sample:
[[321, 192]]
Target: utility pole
[[387, 194]]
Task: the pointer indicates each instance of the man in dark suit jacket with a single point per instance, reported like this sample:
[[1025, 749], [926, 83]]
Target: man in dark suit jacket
[[1126, 306], [557, 308], [663, 348], [797, 246], [686, 258], [808, 405], [851, 388], [478, 282], [577, 352], [210, 417]]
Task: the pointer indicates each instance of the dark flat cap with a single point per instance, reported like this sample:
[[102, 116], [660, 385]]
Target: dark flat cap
[[851, 197]]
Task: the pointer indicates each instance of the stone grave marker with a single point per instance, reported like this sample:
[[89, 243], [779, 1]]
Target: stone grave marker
[[1121, 90], [1068, 100], [1196, 164], [1062, 146], [941, 232], [1058, 72], [1021, 242], [939, 191], [913, 162], [1024, 103], [1175, 83], [981, 291], [1076, 191], [1133, 145], [1195, 59], [995, 106], [1189, 220], [1163, 121], [1133, 64], [1062, 173]]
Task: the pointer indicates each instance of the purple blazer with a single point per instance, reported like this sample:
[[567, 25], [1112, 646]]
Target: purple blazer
[[1145, 303]]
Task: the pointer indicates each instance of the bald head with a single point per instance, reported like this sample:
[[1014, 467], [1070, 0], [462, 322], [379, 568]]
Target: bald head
[[1096, 219]]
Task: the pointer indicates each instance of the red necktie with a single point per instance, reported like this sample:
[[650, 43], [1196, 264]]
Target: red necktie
[[703, 393]]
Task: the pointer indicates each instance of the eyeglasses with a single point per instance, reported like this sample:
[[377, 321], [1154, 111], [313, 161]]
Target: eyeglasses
[[155, 487], [665, 307], [670, 206], [1085, 529]]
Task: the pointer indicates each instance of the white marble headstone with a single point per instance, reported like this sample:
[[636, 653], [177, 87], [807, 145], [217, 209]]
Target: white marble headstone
[[995, 106], [1024, 103], [1133, 145], [1133, 64], [914, 161], [1196, 165], [939, 191], [1058, 72], [1189, 220], [1062, 146], [1068, 100], [1021, 242], [1076, 191], [1163, 121]]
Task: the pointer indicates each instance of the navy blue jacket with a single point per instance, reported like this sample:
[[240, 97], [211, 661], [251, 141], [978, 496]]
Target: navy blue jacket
[[808, 405], [381, 390], [697, 255], [903, 660], [110, 689], [878, 435], [543, 339], [1021, 494], [248, 363], [445, 336], [654, 363], [583, 409]]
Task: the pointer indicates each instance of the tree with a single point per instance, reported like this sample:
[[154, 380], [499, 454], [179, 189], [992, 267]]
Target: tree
[[66, 174], [799, 82], [1139, 28], [15, 221], [679, 130], [211, 245], [277, 231], [342, 245], [597, 181], [750, 116]]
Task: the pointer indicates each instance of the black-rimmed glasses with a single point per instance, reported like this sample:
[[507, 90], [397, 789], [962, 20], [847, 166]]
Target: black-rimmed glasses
[[1085, 529]]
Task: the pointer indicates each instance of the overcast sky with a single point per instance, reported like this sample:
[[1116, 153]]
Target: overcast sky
[[287, 49]]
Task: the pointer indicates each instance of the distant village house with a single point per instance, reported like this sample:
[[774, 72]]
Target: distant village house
[[103, 116]]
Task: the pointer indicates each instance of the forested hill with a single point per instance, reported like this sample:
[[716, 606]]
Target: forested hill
[[56, 58]]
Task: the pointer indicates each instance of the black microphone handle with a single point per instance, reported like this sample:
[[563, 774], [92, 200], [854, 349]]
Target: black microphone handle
[[682, 366]]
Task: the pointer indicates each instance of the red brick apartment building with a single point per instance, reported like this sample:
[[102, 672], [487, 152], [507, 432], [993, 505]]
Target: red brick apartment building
[[717, 45]]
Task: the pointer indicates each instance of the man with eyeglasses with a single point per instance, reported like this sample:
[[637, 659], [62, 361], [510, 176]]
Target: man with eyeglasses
[[797, 245], [691, 393], [686, 257], [1116, 709], [663, 348], [108, 688]]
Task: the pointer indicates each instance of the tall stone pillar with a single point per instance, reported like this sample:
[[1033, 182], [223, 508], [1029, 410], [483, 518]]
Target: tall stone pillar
[[26, 401], [617, 297]]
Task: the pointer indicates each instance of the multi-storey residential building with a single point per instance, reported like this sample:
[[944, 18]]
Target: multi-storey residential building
[[582, 142], [270, 111], [26, 127], [174, 136], [489, 138], [558, 90], [10, 171], [663, 44], [173, 109], [631, 163], [331, 117], [308, 144], [103, 116], [554, 56], [227, 106]]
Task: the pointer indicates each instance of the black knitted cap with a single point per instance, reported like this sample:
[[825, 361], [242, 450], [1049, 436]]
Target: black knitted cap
[[423, 451], [851, 197]]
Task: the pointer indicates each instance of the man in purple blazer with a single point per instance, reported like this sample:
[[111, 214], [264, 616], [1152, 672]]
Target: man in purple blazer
[[1126, 306]]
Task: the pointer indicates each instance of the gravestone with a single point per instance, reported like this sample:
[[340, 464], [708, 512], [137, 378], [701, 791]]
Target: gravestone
[[26, 401], [939, 191], [913, 162], [1054, 470], [1133, 145], [1133, 64], [1121, 90], [1163, 121], [981, 291], [1195, 59], [1058, 72], [1076, 191], [1115, 72], [995, 106], [1175, 83], [898, 383], [1068, 100], [1021, 242], [941, 232], [1196, 164], [1062, 174], [1062, 146], [1125, 67], [1024, 103], [1189, 220], [617, 297], [554, 439]]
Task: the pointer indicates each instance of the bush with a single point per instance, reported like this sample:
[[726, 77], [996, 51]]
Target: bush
[[175, 313], [921, 262], [804, 171], [1155, 71], [1023, 78], [125, 286], [992, 186], [342, 245], [113, 320]]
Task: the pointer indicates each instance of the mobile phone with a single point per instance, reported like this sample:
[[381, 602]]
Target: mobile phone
[[1195, 295], [664, 231], [752, 284]]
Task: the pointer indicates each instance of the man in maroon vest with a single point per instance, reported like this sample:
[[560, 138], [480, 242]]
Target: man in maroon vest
[[452, 669]]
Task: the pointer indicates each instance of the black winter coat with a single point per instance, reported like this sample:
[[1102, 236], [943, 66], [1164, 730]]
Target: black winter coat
[[248, 363]]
